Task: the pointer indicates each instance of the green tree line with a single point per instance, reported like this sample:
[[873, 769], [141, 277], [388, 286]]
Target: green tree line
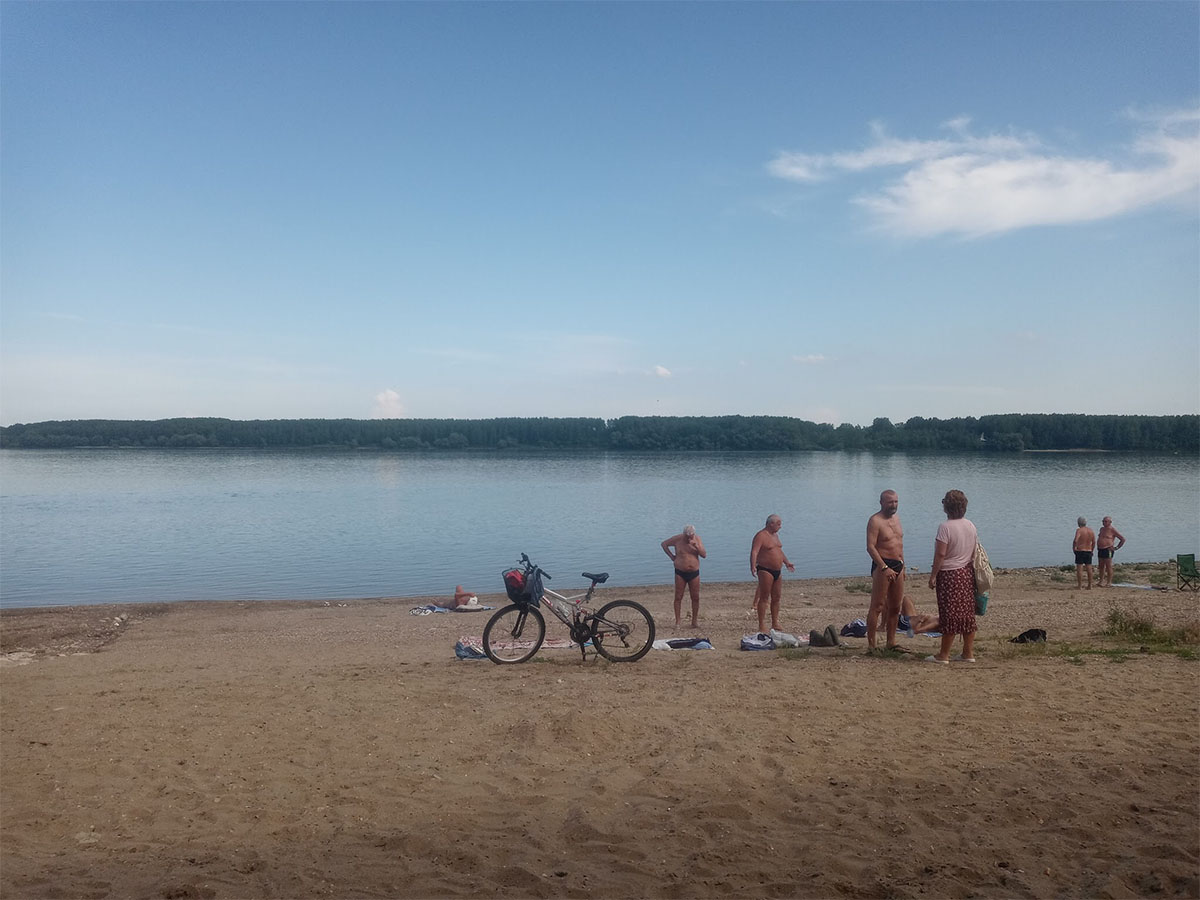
[[1008, 433]]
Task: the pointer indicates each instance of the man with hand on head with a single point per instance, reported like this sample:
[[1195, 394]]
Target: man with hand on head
[[686, 550]]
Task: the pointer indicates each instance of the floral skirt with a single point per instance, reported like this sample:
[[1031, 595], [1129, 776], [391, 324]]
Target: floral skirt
[[956, 600]]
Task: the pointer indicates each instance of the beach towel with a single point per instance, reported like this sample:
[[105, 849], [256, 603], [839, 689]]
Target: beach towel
[[783, 639], [434, 608], [758, 641], [472, 605], [475, 642], [469, 651], [683, 644]]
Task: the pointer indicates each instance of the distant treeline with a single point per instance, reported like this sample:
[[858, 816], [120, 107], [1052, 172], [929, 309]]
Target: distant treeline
[[1001, 433]]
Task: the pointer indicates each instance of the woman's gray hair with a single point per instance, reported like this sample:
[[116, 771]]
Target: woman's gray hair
[[1082, 521], [689, 530]]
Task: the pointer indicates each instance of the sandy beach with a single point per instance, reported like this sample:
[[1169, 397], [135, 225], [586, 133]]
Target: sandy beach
[[293, 750]]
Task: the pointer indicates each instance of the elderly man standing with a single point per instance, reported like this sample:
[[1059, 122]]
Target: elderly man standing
[[885, 546], [686, 550], [767, 560], [1105, 549], [1083, 545]]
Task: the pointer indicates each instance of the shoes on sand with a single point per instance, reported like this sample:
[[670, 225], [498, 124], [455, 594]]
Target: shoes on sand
[[961, 658], [934, 659]]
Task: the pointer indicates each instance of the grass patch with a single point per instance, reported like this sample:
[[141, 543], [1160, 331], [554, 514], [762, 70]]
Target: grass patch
[[1126, 634], [859, 587], [1134, 627], [1056, 576]]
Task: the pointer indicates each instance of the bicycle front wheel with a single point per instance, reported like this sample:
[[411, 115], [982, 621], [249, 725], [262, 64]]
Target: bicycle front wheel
[[514, 634], [623, 631]]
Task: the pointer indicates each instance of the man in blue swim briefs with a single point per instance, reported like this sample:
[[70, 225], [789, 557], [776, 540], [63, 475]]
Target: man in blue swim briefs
[[767, 560], [686, 550], [1083, 545], [885, 546]]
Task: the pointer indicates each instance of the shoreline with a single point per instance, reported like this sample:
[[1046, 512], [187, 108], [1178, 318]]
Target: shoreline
[[1143, 567], [808, 603]]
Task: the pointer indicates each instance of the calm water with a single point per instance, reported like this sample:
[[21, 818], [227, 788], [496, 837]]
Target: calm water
[[103, 526]]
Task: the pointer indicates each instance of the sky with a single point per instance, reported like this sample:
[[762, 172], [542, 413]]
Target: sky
[[832, 211]]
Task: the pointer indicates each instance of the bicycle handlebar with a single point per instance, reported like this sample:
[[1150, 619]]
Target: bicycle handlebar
[[533, 567]]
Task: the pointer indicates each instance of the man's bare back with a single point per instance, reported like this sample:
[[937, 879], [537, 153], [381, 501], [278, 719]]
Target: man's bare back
[[1085, 539]]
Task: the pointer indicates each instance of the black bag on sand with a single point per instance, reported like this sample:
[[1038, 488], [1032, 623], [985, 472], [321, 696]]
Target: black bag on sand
[[1032, 636]]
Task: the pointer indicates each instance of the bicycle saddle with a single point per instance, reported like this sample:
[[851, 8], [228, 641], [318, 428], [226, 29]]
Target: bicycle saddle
[[597, 579]]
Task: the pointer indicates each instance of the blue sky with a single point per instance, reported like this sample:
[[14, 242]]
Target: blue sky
[[833, 211]]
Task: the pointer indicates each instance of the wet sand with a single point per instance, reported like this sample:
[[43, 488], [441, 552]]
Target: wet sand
[[240, 750]]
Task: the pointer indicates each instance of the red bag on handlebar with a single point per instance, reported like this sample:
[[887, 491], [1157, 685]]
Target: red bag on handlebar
[[514, 584]]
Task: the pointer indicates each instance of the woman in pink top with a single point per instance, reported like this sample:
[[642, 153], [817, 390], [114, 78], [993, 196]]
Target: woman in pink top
[[953, 577]]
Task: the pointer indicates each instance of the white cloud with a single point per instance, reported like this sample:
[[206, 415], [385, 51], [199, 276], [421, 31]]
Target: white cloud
[[976, 186], [387, 405], [662, 371], [812, 359]]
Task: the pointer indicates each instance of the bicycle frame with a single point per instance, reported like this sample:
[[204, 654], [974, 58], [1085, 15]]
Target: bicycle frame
[[574, 603]]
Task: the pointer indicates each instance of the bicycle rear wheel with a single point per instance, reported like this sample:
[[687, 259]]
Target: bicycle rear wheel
[[514, 634], [623, 631]]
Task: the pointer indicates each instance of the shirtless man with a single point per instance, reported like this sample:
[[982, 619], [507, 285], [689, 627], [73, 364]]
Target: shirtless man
[[767, 560], [1105, 549], [885, 546], [1083, 545], [460, 598], [688, 551]]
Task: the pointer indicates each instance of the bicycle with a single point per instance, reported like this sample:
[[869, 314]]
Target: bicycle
[[621, 631]]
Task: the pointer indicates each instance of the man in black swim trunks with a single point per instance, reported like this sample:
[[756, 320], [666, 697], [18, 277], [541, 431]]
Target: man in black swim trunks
[[1083, 545], [767, 560], [688, 550], [885, 546], [1105, 549]]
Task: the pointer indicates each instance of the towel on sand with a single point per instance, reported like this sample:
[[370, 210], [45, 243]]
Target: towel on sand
[[683, 644], [471, 646], [428, 608]]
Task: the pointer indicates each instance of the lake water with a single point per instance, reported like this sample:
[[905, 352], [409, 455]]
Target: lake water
[[100, 526]]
